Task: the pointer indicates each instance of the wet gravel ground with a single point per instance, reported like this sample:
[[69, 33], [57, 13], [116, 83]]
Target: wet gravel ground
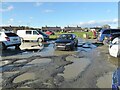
[[46, 68]]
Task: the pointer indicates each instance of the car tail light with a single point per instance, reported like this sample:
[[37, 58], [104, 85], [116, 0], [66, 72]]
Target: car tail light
[[7, 38], [110, 37]]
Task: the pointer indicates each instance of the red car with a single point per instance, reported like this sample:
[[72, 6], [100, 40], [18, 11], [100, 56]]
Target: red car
[[49, 33]]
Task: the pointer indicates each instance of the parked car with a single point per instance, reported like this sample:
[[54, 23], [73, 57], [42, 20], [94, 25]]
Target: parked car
[[36, 35], [66, 42], [108, 40], [114, 35], [45, 36], [116, 80], [114, 47], [8, 38], [106, 33], [50, 33]]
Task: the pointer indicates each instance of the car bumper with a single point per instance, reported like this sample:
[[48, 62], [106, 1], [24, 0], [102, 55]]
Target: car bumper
[[12, 44], [66, 47]]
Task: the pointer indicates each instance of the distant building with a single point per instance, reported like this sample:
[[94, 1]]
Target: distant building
[[95, 28], [54, 29], [15, 28], [72, 29]]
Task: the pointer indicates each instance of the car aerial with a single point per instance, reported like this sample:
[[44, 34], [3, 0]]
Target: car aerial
[[9, 38], [36, 35], [66, 42], [49, 33], [106, 33], [116, 79], [114, 47]]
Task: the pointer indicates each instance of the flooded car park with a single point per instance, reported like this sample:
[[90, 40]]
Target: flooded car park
[[50, 68]]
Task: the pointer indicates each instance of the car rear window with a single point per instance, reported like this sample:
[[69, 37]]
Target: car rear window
[[11, 34], [115, 30], [106, 32]]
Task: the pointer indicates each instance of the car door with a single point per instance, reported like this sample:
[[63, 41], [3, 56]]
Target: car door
[[35, 35]]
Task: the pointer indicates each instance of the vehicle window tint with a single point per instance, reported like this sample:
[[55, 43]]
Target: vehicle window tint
[[11, 34], [106, 32], [28, 32], [74, 36], [66, 36], [35, 33], [114, 30]]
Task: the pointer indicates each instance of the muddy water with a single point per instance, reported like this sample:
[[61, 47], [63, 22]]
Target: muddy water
[[39, 61], [73, 70], [23, 77], [31, 45], [105, 81], [114, 61]]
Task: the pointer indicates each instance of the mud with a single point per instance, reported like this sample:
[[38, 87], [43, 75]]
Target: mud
[[59, 69], [105, 81]]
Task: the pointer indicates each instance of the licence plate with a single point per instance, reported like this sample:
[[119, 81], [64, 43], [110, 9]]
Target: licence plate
[[60, 46]]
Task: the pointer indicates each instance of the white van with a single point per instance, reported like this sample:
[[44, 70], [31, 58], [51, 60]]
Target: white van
[[30, 35]]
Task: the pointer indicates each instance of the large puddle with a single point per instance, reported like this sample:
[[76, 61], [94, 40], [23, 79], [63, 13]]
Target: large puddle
[[76, 68], [105, 81], [23, 77], [39, 61], [113, 60]]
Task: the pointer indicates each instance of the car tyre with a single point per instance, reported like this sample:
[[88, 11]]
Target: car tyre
[[4, 47], [72, 48], [17, 47], [40, 40]]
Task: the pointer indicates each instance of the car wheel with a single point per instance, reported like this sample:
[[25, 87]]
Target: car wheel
[[40, 40], [17, 47], [72, 47], [4, 47]]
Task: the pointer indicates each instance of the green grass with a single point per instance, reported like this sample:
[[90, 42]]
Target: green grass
[[78, 34]]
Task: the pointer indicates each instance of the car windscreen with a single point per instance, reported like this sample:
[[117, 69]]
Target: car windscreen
[[11, 34], [41, 33], [66, 36]]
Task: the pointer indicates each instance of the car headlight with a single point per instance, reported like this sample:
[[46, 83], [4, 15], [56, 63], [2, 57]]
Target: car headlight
[[68, 44]]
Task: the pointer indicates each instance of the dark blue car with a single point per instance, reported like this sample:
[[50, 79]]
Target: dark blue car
[[106, 33], [116, 80], [66, 42]]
